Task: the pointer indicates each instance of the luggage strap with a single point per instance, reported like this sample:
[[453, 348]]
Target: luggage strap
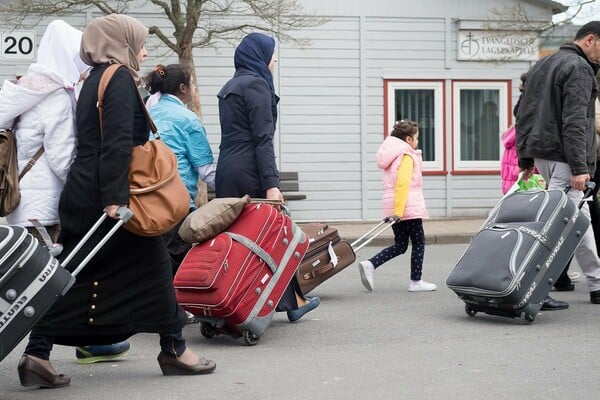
[[256, 249], [334, 258], [537, 236]]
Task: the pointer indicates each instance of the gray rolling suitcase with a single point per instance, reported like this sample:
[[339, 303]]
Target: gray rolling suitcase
[[32, 279], [512, 262]]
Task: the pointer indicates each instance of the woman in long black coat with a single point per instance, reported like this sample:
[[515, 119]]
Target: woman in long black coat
[[127, 287], [246, 165]]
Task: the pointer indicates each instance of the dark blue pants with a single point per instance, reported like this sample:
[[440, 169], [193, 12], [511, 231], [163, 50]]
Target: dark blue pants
[[403, 231]]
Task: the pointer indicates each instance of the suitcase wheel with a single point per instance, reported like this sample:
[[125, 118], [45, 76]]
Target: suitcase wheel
[[471, 312], [208, 330], [529, 318], [249, 338]]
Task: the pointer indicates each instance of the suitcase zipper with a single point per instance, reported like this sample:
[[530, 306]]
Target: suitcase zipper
[[25, 256], [517, 275]]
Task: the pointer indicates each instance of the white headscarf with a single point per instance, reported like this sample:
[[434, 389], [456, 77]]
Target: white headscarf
[[59, 51]]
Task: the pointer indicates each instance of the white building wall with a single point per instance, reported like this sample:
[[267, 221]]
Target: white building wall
[[331, 119]]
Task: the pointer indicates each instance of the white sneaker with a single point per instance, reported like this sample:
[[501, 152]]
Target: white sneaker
[[366, 274], [421, 286]]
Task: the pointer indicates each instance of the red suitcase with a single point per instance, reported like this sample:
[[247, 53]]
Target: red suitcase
[[233, 282]]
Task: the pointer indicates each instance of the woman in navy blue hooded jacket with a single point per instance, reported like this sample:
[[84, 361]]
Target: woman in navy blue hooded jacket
[[246, 164]]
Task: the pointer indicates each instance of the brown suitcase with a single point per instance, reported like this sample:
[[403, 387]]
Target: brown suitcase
[[316, 266], [325, 245]]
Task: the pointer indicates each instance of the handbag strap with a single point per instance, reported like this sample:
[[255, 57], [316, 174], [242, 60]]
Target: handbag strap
[[104, 80], [32, 162], [33, 159]]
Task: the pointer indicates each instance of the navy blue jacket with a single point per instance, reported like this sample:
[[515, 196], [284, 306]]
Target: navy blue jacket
[[248, 113]]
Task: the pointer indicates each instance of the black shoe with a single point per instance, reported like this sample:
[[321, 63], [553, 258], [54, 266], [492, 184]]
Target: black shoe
[[564, 287], [550, 304], [170, 365], [32, 373], [595, 297]]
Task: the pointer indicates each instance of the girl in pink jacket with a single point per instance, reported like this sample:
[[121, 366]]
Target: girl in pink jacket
[[401, 164]]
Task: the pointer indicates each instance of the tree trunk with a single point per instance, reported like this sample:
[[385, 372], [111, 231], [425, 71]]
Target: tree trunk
[[187, 58]]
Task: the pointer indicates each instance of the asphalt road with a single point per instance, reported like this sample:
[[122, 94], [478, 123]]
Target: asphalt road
[[385, 344]]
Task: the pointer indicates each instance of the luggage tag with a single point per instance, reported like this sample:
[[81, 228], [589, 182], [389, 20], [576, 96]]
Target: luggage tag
[[53, 248], [332, 255]]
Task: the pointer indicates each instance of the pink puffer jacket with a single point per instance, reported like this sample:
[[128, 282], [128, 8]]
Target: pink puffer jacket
[[389, 156], [509, 165]]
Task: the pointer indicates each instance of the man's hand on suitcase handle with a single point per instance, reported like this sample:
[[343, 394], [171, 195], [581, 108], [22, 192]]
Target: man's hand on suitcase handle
[[579, 182]]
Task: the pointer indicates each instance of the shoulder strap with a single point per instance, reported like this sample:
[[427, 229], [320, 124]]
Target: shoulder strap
[[32, 162], [104, 80], [33, 159]]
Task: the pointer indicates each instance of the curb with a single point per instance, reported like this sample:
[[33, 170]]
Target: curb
[[384, 241]]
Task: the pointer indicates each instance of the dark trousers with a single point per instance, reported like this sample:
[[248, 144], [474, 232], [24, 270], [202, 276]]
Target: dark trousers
[[403, 231], [41, 346], [288, 300]]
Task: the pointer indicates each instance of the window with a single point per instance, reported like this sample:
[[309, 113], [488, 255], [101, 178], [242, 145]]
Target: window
[[420, 102], [480, 116]]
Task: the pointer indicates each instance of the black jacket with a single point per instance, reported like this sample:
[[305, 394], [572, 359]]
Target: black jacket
[[248, 113], [555, 119], [128, 286]]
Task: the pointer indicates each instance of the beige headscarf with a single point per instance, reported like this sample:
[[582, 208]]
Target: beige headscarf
[[114, 38]]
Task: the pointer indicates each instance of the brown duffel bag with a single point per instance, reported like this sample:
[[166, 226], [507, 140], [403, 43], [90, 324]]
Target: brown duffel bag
[[327, 255]]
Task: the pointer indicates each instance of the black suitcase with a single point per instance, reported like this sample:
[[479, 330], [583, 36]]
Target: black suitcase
[[512, 262], [31, 279]]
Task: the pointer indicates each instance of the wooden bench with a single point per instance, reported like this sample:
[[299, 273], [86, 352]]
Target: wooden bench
[[288, 184]]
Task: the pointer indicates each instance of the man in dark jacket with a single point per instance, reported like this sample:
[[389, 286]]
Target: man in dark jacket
[[555, 131]]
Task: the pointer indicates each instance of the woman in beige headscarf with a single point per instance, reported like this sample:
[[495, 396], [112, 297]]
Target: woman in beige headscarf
[[127, 287]]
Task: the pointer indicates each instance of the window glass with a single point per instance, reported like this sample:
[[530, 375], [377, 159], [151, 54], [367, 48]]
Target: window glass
[[422, 102], [480, 115], [480, 125], [419, 105]]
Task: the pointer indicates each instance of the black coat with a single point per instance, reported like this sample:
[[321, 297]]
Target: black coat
[[248, 114], [127, 287], [555, 118]]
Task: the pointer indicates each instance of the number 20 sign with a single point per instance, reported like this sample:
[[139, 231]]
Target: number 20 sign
[[18, 45]]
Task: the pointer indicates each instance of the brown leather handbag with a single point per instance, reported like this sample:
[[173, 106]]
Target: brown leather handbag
[[10, 196], [158, 197]]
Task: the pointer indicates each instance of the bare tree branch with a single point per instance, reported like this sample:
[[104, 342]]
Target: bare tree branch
[[196, 23], [515, 17]]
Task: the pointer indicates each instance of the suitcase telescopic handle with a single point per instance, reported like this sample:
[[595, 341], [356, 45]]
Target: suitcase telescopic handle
[[124, 214], [374, 232], [589, 188]]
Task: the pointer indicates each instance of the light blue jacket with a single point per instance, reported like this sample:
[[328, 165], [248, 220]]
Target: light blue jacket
[[182, 130]]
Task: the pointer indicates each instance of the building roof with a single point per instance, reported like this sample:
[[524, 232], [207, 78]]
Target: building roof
[[555, 6]]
